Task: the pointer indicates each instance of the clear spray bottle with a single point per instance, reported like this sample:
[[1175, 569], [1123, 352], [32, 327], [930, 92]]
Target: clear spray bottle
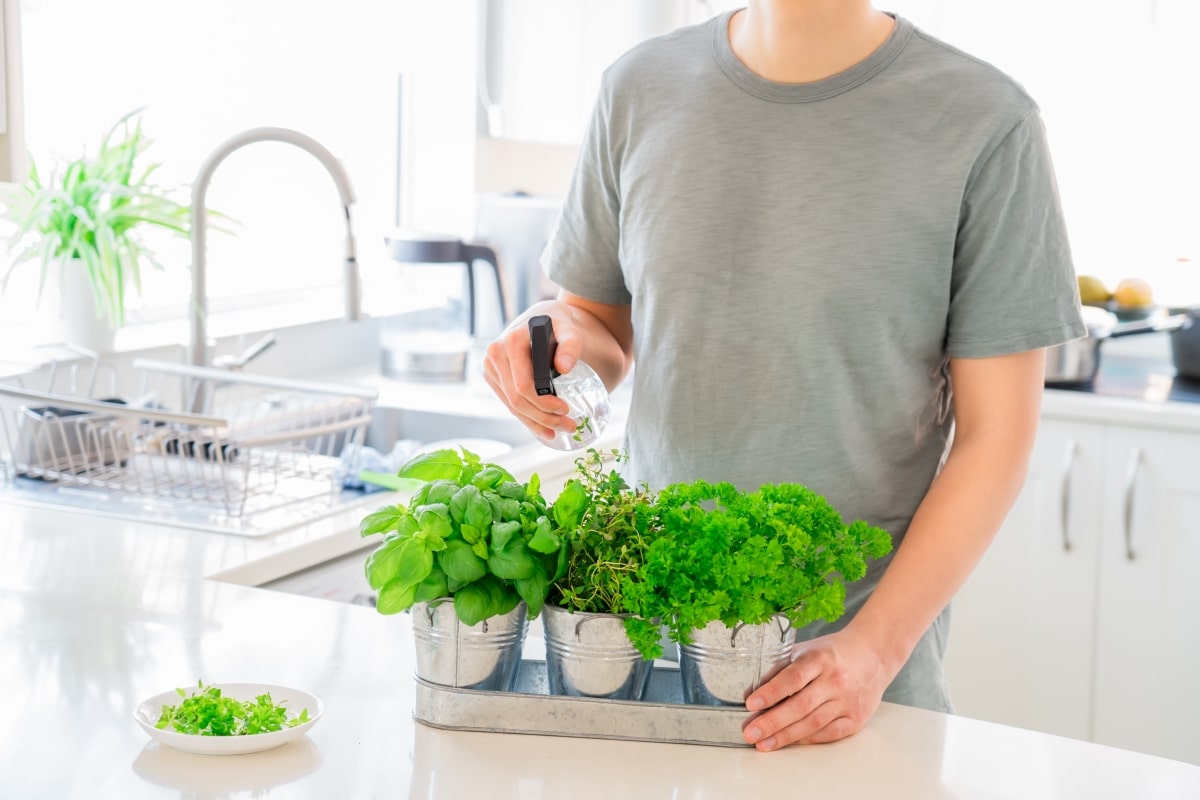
[[581, 389]]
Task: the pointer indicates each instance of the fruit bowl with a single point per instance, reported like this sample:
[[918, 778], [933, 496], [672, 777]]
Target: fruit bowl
[[1132, 313]]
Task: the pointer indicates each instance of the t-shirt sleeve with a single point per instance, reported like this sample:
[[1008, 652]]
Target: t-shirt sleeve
[[583, 255], [1013, 286]]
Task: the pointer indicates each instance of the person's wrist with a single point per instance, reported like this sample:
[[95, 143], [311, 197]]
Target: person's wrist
[[889, 640]]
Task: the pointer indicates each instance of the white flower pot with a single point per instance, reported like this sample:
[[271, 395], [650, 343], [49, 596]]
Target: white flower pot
[[83, 323]]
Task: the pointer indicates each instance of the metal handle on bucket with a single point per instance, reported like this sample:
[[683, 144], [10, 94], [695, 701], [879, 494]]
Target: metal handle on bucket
[[782, 631], [582, 620]]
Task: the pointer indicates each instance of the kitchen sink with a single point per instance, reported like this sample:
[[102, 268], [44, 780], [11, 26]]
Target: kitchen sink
[[390, 424]]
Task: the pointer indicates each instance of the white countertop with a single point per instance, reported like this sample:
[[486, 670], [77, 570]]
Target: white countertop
[[99, 614]]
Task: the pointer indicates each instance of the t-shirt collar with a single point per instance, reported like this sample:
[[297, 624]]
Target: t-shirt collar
[[843, 81]]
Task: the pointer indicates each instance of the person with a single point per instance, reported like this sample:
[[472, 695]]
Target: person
[[833, 246]]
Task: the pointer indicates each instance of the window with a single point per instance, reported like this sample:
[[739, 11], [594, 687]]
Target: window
[[1116, 82], [207, 69]]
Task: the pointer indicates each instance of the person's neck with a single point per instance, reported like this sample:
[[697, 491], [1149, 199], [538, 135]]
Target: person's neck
[[800, 41]]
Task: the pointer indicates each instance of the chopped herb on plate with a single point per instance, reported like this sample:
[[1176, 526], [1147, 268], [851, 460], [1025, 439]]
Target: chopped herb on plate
[[207, 712]]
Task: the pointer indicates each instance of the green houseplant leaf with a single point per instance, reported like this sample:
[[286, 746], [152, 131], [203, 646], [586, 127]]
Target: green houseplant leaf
[[90, 213]]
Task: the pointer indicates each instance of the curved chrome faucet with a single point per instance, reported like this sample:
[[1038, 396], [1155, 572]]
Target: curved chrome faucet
[[199, 306]]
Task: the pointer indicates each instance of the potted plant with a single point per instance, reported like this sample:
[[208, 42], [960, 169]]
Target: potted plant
[[732, 574], [606, 527], [472, 554], [87, 218]]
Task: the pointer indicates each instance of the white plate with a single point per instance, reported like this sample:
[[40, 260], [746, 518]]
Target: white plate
[[294, 701]]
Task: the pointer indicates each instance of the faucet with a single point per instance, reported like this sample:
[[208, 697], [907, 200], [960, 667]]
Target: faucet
[[351, 277]]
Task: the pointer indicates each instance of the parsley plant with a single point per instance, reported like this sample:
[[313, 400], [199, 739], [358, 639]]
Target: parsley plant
[[734, 556]]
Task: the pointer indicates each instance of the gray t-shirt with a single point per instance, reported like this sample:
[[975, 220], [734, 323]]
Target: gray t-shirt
[[803, 259]]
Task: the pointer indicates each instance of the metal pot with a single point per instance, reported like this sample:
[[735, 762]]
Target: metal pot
[[1185, 346], [1078, 361]]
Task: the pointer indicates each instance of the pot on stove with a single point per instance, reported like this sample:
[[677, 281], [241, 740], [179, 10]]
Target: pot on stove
[[1077, 361]]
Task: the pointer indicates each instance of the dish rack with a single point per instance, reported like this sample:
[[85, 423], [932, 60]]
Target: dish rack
[[215, 440]]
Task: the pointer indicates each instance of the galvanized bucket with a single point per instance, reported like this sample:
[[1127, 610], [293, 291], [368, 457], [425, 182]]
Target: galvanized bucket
[[723, 665], [589, 655], [485, 656]]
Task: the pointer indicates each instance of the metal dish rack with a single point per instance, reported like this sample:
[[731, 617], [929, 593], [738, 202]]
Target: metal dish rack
[[216, 441]]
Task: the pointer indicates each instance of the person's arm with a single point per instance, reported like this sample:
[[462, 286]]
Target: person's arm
[[599, 333], [836, 682]]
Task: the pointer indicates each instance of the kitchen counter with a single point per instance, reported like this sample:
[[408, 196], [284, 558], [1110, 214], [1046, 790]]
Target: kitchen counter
[[1135, 384], [99, 614]]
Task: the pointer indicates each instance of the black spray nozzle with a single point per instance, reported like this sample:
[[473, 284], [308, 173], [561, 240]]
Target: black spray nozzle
[[542, 346]]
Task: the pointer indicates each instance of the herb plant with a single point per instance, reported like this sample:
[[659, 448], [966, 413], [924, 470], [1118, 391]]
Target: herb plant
[[584, 426], [207, 712], [93, 209], [606, 528], [742, 557], [472, 532]]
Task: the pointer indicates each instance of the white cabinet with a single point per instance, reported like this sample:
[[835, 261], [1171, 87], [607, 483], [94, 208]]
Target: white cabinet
[[1148, 637], [1023, 627], [1058, 629]]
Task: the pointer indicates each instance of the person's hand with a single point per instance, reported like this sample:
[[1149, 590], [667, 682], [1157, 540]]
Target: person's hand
[[829, 691], [508, 369]]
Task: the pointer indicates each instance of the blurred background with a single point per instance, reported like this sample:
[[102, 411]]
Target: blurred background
[[441, 112]]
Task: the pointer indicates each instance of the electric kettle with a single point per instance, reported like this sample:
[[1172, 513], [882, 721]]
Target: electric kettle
[[439, 353]]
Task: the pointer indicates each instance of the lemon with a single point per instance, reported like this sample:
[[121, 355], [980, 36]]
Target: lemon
[[1092, 291], [1133, 292]]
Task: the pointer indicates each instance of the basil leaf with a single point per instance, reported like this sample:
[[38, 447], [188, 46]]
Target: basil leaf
[[478, 511], [435, 519], [470, 533], [534, 488], [461, 501], [506, 602], [432, 541], [433, 587], [384, 564], [441, 492], [415, 561], [472, 604], [569, 506], [561, 569], [460, 563], [395, 597], [543, 539], [501, 533], [418, 498], [513, 563], [510, 509], [480, 549], [511, 490], [385, 519], [533, 590], [438, 465], [490, 477]]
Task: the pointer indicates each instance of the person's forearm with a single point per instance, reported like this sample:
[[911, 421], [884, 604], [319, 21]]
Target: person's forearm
[[602, 348], [948, 535]]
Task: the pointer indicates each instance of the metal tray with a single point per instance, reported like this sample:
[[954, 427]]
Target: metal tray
[[661, 716]]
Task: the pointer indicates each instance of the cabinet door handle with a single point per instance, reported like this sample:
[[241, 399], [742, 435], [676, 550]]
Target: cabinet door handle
[[1065, 501], [1135, 463]]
